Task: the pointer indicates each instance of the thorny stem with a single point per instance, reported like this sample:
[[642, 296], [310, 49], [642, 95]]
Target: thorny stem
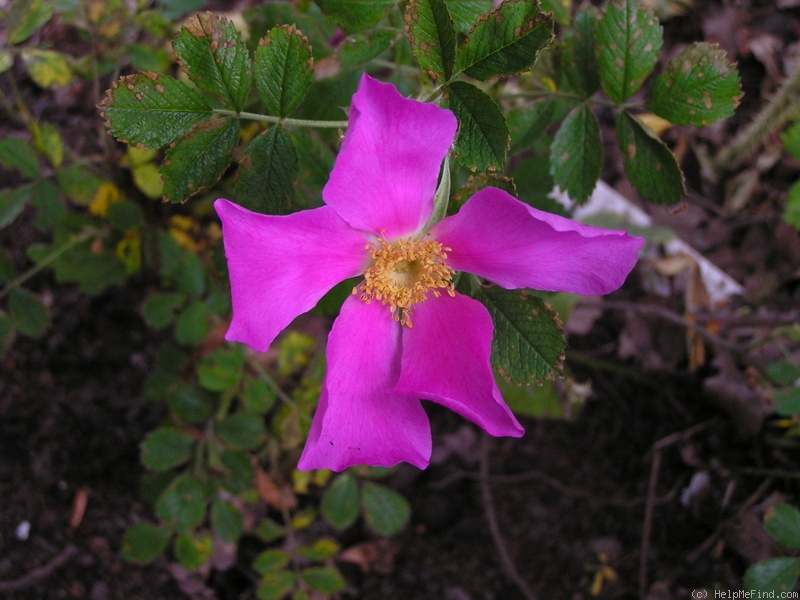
[[782, 107], [282, 120], [494, 527], [47, 260]]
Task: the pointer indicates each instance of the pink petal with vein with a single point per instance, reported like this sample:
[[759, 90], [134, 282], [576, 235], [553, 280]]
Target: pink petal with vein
[[281, 266], [385, 176], [516, 246], [446, 360], [359, 419]]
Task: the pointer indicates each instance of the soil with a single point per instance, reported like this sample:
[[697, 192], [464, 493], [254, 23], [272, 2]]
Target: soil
[[656, 487]]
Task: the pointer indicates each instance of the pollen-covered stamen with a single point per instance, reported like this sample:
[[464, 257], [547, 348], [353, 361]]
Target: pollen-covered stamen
[[402, 273]]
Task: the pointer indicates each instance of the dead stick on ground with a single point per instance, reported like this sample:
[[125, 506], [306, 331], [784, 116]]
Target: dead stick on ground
[[39, 573], [655, 467], [491, 516]]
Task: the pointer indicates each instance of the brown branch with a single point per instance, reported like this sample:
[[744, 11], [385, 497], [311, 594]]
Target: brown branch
[[494, 527], [35, 575]]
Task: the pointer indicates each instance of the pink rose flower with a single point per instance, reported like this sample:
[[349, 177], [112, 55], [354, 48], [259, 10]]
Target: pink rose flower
[[404, 334]]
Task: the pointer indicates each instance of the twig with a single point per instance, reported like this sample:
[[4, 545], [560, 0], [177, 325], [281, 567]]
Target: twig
[[491, 516], [655, 467], [39, 573], [673, 317]]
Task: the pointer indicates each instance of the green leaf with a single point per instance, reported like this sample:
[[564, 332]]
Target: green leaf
[[146, 57], [340, 505], [579, 55], [324, 579], [321, 549], [193, 551], [787, 402], [698, 87], [385, 511], [189, 402], [222, 369], [782, 372], [211, 51], [193, 326], [79, 183], [282, 69], [271, 560], [355, 15], [576, 156], [182, 505], [241, 431], [25, 17], [50, 207], [161, 308], [190, 275], [227, 521], [266, 179], [649, 164], [144, 542], [773, 575], [151, 111], [506, 40], [791, 213], [47, 68], [483, 138], [432, 36], [790, 139], [629, 39], [126, 215], [196, 162], [358, 49], [466, 12], [275, 585], [783, 525], [18, 154], [258, 398], [165, 448], [269, 531], [528, 344], [6, 60], [29, 314], [47, 140], [12, 202]]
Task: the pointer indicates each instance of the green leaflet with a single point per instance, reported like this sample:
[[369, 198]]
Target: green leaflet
[[698, 87], [528, 344], [483, 137], [211, 51], [196, 162], [629, 39], [432, 36], [576, 155], [649, 164], [506, 40], [267, 173], [355, 15], [151, 111], [282, 69]]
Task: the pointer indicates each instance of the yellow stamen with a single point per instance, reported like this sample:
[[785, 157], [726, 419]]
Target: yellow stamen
[[403, 272]]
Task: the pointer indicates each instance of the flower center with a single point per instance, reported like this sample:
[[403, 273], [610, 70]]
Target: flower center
[[403, 272]]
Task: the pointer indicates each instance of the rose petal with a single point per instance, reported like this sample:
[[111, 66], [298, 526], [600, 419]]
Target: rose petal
[[359, 420], [446, 360], [514, 245], [385, 176], [281, 266]]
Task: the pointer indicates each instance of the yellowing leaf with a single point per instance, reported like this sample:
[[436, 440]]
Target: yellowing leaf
[[139, 156], [655, 123], [47, 67], [6, 60], [106, 195], [148, 179], [48, 141], [184, 230], [129, 252]]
